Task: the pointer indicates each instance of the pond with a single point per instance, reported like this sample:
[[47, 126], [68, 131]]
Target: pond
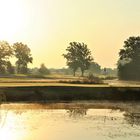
[[70, 121]]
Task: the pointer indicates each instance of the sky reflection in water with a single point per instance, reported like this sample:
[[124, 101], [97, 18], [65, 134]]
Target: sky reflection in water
[[40, 122]]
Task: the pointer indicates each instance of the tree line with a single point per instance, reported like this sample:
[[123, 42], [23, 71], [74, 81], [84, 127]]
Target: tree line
[[18, 50], [79, 56]]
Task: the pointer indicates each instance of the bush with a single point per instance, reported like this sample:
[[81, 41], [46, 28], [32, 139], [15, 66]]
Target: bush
[[93, 79], [109, 78], [90, 79], [43, 70]]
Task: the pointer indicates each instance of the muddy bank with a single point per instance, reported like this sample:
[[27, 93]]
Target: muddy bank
[[68, 93]]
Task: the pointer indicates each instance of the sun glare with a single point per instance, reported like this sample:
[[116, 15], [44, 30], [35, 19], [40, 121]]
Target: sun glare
[[7, 123], [11, 19]]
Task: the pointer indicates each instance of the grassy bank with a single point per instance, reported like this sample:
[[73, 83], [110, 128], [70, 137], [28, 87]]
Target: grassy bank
[[68, 93]]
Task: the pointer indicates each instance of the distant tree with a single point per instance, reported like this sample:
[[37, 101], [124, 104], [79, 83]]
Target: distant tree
[[105, 72], [34, 70], [10, 68], [66, 71], [109, 71], [5, 53], [95, 68], [129, 59], [78, 56], [23, 55], [43, 70]]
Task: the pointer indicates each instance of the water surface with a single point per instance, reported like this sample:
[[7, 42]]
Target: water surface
[[70, 121]]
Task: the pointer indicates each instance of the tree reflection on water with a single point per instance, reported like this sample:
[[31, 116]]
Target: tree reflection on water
[[113, 121], [77, 112], [132, 118]]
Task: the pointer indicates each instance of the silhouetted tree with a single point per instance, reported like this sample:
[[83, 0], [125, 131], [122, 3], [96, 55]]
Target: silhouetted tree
[[23, 55], [78, 56], [43, 69], [5, 53], [129, 61]]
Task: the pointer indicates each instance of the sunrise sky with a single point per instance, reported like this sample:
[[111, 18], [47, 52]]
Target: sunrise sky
[[47, 27]]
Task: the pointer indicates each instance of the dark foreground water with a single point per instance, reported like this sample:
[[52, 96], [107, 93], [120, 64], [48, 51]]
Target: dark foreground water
[[70, 121]]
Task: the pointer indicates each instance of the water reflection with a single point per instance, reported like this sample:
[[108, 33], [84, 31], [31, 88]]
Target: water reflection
[[76, 121], [132, 118], [77, 112]]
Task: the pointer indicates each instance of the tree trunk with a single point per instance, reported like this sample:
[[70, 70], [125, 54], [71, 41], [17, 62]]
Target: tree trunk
[[82, 73], [74, 73]]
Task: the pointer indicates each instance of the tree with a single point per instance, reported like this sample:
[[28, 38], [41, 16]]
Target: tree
[[78, 56], [43, 69], [10, 68], [129, 61], [23, 55], [5, 53]]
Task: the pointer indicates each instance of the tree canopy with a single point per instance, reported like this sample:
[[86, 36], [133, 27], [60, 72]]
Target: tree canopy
[[129, 59], [23, 55], [78, 56], [5, 53]]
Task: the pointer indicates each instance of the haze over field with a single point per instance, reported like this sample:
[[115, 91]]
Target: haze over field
[[47, 27]]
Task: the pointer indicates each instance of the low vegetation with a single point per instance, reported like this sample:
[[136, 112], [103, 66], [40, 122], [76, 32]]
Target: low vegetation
[[108, 77], [90, 79]]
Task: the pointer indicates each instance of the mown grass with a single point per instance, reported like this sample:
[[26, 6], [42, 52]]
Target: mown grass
[[32, 78]]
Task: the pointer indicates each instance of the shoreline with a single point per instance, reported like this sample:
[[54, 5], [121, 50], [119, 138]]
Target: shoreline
[[67, 92]]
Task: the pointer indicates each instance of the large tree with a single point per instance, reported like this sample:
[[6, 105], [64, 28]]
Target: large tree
[[129, 59], [78, 56], [5, 53], [23, 55]]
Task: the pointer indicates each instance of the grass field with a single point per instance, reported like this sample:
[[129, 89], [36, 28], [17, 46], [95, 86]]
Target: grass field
[[21, 88], [54, 80]]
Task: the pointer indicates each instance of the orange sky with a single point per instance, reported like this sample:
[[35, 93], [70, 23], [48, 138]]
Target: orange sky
[[47, 27]]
